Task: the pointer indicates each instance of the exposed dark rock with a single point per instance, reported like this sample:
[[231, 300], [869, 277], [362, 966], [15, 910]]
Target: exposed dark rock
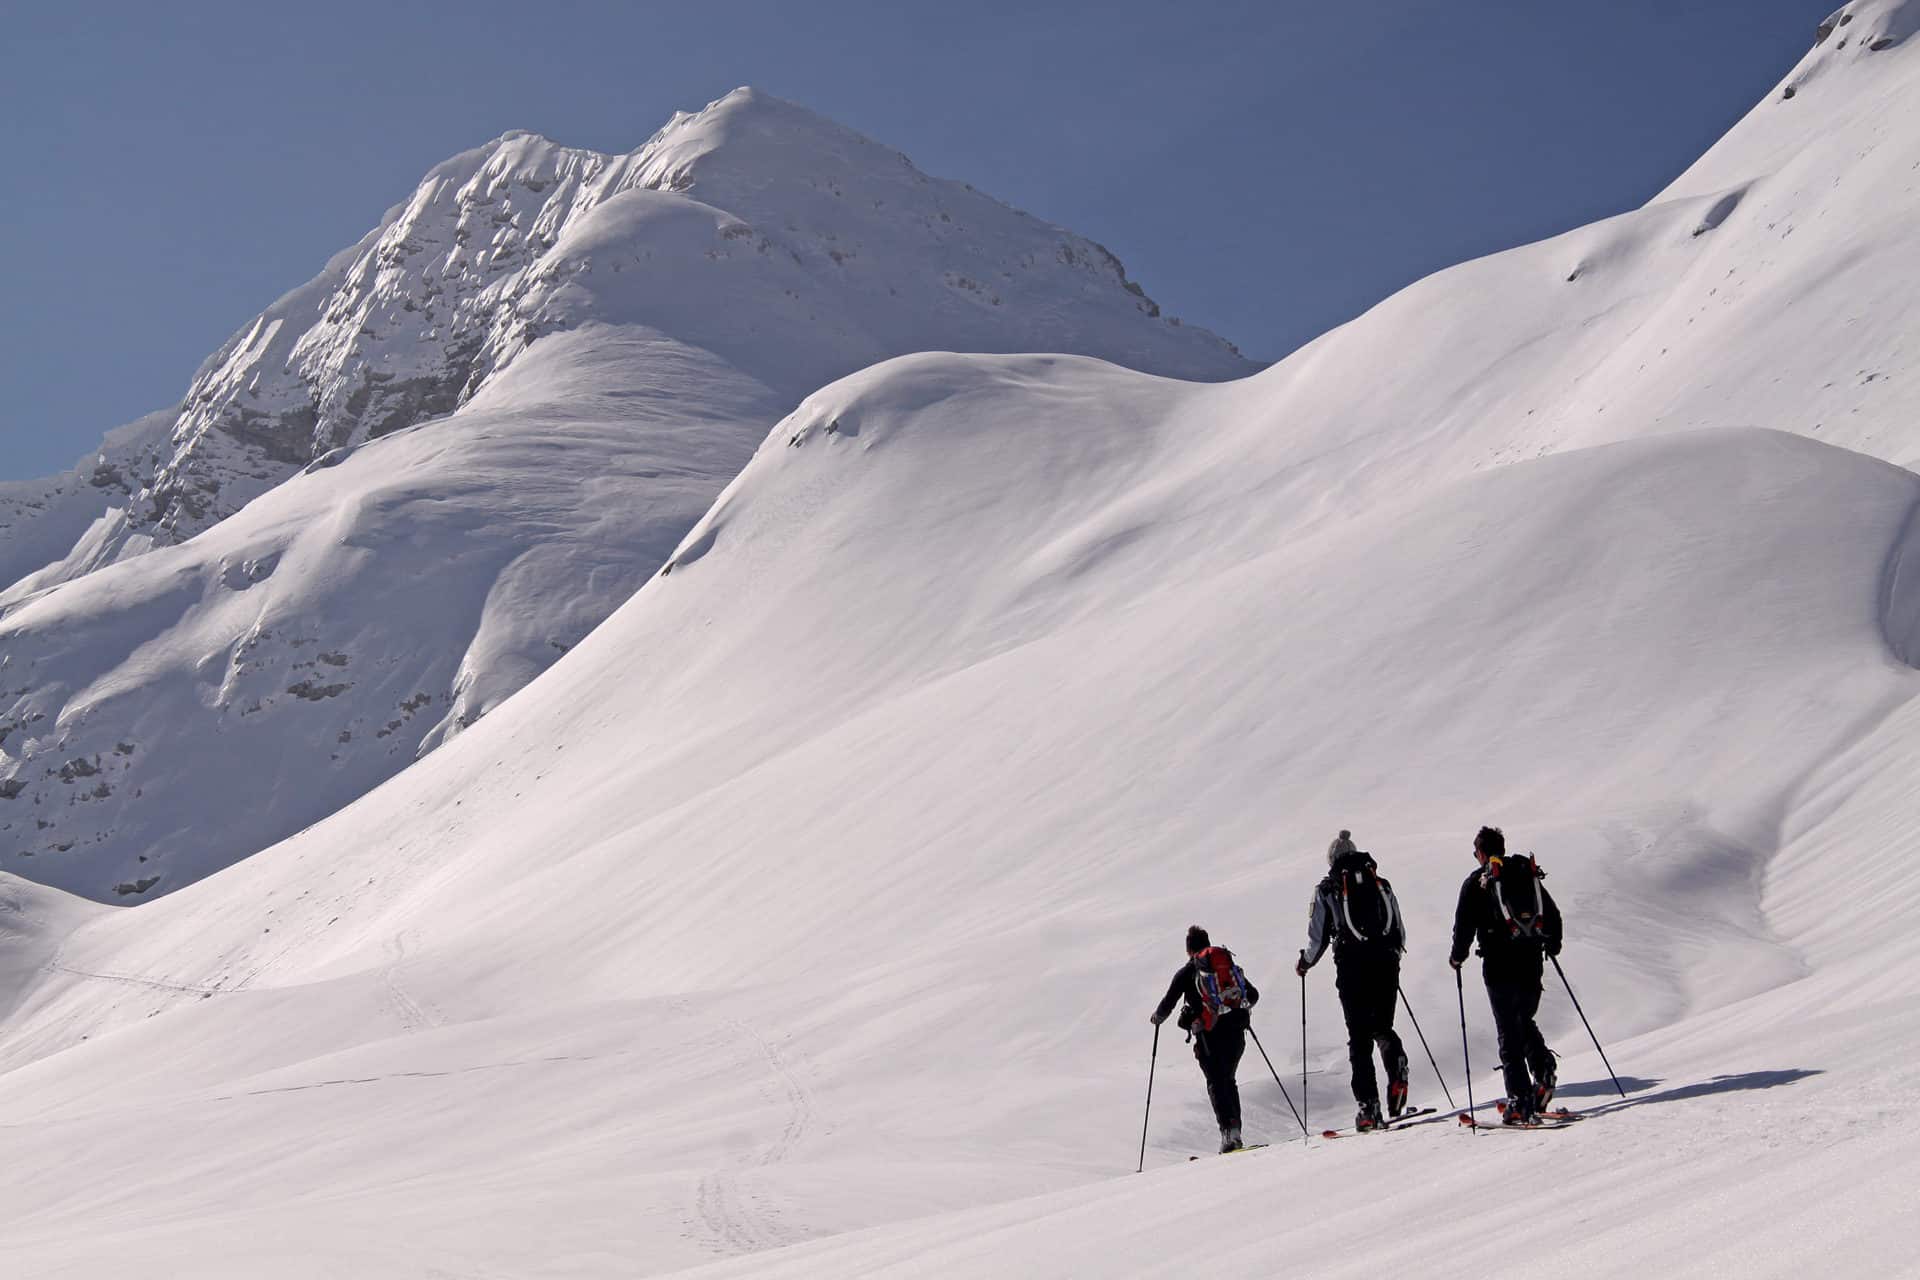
[[314, 692]]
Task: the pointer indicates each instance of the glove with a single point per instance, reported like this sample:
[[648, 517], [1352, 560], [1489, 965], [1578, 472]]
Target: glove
[[1301, 966], [1553, 946], [1455, 963], [1156, 1018]]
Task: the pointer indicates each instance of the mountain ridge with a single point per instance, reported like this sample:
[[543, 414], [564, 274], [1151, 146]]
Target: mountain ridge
[[418, 480]]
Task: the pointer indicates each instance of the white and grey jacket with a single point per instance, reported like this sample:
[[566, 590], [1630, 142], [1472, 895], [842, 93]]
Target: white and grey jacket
[[1329, 923]]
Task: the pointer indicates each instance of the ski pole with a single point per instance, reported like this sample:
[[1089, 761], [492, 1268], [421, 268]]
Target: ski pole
[[1303, 1053], [1423, 1042], [1276, 1079], [1465, 1056], [1151, 1063], [1583, 1022]]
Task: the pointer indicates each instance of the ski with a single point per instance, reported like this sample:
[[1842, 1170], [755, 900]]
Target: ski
[[1558, 1115], [1530, 1126], [1398, 1121], [1252, 1146]]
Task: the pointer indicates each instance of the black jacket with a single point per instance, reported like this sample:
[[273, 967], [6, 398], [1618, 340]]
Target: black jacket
[[1323, 918], [1184, 987], [1477, 917]]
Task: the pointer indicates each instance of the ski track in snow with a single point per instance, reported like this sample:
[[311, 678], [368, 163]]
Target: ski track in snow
[[732, 1219], [56, 964], [413, 1015]]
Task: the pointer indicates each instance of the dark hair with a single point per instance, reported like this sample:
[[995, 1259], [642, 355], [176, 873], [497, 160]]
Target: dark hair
[[1491, 842], [1197, 939]]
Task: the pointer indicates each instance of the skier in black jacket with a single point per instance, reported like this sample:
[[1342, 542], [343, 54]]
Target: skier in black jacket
[[1217, 1048], [1515, 930], [1356, 913]]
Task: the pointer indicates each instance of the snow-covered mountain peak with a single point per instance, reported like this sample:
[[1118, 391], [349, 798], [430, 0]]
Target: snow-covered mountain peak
[[1852, 34], [1880, 24], [750, 140], [604, 339], [1841, 86], [449, 288]]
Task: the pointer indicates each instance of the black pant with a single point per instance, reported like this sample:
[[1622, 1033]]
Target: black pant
[[1368, 981], [1218, 1052], [1524, 1057]]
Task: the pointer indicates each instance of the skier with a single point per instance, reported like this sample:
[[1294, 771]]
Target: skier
[[1355, 912], [1217, 999], [1517, 923]]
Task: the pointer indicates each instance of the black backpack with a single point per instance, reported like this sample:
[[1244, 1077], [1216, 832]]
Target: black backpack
[[1363, 902], [1515, 885]]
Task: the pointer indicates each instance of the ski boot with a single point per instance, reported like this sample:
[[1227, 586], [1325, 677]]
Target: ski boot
[[1544, 1082], [1517, 1112], [1396, 1098], [1229, 1138], [1368, 1118]]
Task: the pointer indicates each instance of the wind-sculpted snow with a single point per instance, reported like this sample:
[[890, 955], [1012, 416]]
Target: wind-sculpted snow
[[804, 919], [609, 343], [1015, 767]]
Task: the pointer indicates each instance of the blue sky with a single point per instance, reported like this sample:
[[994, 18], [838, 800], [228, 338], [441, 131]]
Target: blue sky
[[1265, 169]]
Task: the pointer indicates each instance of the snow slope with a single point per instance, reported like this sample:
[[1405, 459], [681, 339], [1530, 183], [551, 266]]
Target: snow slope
[[54, 528], [633, 327], [803, 919]]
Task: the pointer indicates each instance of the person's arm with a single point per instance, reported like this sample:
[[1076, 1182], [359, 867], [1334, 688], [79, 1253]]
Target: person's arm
[[1551, 911], [1462, 925], [1319, 932], [1175, 989], [1253, 994]]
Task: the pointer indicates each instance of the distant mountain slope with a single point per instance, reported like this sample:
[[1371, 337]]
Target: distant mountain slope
[[805, 917], [51, 529], [523, 237], [611, 335]]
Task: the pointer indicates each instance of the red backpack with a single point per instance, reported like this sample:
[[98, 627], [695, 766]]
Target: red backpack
[[1221, 985]]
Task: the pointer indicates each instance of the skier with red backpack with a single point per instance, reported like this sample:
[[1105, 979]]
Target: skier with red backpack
[[1516, 921], [1354, 911], [1217, 999]]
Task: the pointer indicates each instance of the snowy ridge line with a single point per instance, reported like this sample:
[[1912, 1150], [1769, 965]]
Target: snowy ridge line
[[413, 485]]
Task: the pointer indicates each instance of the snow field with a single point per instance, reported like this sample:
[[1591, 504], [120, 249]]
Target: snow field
[[804, 919]]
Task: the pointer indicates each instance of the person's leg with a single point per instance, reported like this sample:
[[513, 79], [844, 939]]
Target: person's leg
[[1202, 1054], [1231, 1041], [1538, 1057], [1393, 1055], [1356, 1007], [1210, 1048], [1508, 999], [1218, 1052]]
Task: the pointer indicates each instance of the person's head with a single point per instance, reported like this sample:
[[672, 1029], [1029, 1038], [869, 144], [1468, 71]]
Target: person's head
[[1197, 940], [1341, 846], [1490, 843]]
